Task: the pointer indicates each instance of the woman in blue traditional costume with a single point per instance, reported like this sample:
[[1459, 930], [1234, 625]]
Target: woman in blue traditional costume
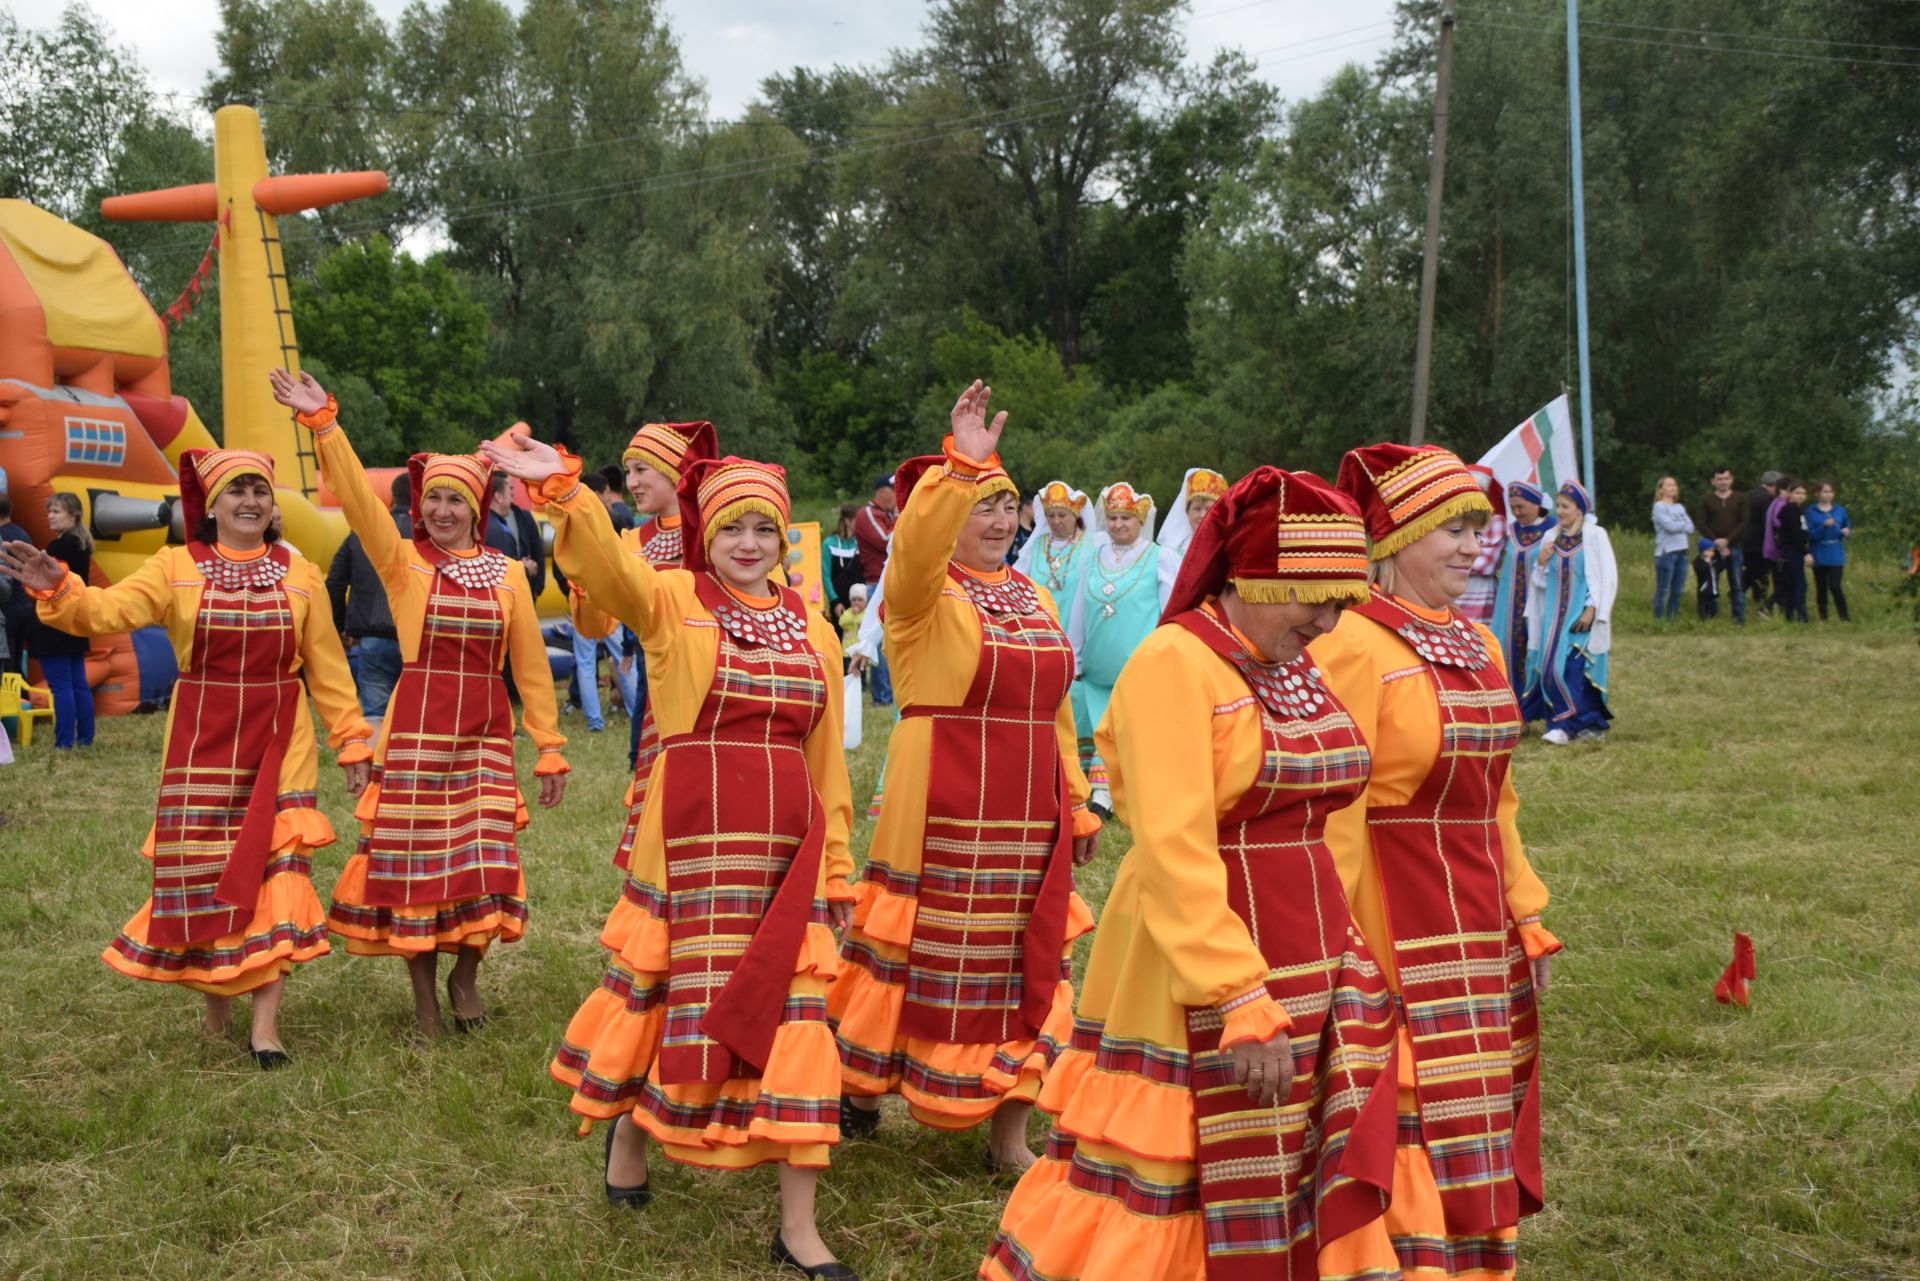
[[1125, 586], [1528, 521], [1569, 631], [1056, 555]]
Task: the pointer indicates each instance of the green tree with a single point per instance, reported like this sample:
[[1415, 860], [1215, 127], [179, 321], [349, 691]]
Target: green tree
[[67, 97], [407, 330]]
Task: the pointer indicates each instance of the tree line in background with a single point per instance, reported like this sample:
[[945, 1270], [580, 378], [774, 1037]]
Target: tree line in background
[[1156, 265]]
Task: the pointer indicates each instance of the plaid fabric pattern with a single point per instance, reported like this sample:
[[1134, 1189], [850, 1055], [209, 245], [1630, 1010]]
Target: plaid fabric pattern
[[990, 929], [444, 829], [740, 821], [661, 549], [1276, 1183], [209, 957], [232, 706], [1465, 984]]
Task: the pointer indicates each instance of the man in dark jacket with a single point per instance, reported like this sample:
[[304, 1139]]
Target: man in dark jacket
[[512, 531], [872, 530], [361, 613], [1723, 517]]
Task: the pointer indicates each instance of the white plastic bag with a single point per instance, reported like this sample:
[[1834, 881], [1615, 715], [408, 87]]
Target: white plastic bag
[[855, 707]]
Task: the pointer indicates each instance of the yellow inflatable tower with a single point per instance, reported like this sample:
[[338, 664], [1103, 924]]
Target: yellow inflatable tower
[[256, 315]]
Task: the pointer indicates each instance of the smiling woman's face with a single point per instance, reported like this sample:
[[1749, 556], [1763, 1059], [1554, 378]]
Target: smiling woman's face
[[1433, 571], [988, 533], [746, 552], [449, 518], [242, 511]]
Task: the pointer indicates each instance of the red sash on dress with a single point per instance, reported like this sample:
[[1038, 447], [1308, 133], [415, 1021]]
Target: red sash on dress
[[233, 716], [444, 827], [744, 831], [1466, 989], [1278, 1183], [662, 550], [997, 868]]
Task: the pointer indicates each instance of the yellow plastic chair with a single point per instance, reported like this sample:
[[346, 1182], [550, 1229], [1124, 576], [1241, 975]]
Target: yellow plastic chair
[[16, 703]]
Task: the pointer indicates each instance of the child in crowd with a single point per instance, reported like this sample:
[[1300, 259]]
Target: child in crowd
[[1706, 588], [850, 619]]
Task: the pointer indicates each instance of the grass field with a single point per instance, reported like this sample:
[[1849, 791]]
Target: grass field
[[1761, 780]]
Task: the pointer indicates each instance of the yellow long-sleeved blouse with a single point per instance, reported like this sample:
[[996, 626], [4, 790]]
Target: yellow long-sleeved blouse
[[408, 578], [933, 647], [1389, 692], [165, 591], [1168, 937], [658, 605]]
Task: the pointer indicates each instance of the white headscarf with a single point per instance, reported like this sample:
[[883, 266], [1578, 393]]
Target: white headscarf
[[1030, 550], [1100, 538], [1178, 531]]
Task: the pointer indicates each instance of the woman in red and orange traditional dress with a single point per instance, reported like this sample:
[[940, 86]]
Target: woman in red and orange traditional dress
[[233, 909], [438, 868], [954, 986], [708, 1033], [1433, 865], [655, 459], [1226, 1108]]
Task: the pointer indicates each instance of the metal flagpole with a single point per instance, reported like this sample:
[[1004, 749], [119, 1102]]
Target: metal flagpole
[[1580, 246]]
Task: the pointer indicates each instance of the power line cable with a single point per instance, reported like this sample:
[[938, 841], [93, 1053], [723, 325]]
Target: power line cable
[[1560, 29]]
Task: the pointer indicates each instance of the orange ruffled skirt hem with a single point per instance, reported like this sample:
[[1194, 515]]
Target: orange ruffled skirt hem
[[288, 927], [416, 929], [946, 1085], [609, 1059], [1116, 1197]]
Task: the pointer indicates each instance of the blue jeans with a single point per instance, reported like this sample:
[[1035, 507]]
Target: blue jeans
[[637, 708], [72, 700], [1734, 566], [377, 671], [879, 684], [586, 675], [629, 682], [1669, 571]]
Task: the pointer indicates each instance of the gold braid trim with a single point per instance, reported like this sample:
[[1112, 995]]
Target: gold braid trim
[[1279, 591], [1425, 523]]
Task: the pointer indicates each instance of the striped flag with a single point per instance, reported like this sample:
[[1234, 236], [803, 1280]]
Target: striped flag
[[1539, 450]]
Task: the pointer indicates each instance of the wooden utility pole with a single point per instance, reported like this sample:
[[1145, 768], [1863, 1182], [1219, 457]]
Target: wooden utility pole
[[1430, 264]]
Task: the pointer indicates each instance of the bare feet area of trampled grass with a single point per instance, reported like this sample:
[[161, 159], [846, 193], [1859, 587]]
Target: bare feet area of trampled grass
[[1761, 780]]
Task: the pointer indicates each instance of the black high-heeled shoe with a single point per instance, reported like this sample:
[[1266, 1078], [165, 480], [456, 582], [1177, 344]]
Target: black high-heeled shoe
[[461, 1023], [861, 1123], [835, 1271], [268, 1060], [633, 1198]]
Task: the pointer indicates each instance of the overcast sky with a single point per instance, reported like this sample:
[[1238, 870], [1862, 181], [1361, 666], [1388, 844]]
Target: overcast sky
[[733, 44]]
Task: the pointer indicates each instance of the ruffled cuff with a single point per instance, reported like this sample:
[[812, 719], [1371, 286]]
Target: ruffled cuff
[[838, 890], [551, 762], [1085, 821], [1252, 1016], [563, 484], [320, 420], [66, 585], [963, 467], [353, 753], [1537, 939]]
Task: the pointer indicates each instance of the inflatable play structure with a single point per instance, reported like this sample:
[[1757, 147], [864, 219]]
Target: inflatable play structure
[[86, 401]]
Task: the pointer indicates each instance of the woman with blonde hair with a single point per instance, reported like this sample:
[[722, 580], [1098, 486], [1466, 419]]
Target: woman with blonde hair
[[1225, 1108], [1672, 539], [1435, 871]]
